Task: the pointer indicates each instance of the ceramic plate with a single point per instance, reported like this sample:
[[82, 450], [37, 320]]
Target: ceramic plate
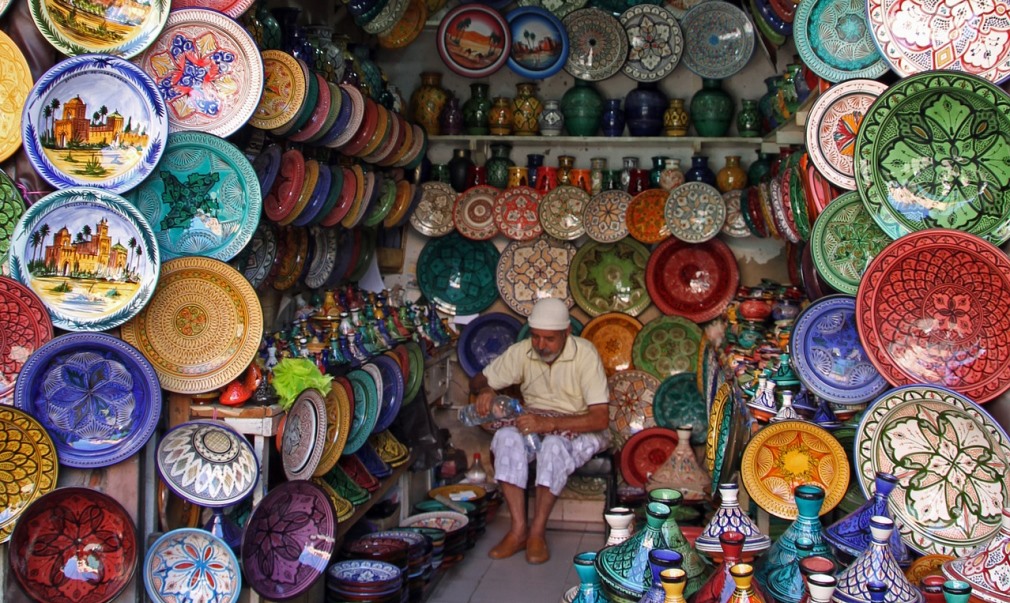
[[718, 39], [433, 216], [207, 463], [300, 515], [655, 42], [304, 435], [324, 257], [645, 452], [631, 395], [834, 40], [531, 270], [32, 469], [202, 328], [122, 32], [17, 83], [678, 402], [680, 7], [256, 260], [951, 460], [280, 199], [473, 213], [544, 51], [12, 206], [561, 212], [190, 564], [77, 528], [720, 418], [484, 339], [934, 307], [26, 327], [610, 278], [613, 335], [832, 125], [599, 44], [556, 7], [365, 402], [408, 28], [232, 8], [784, 455], [72, 147], [474, 40], [695, 212], [457, 274], [645, 217], [844, 241], [285, 88], [338, 427], [693, 281], [910, 149], [517, 213], [735, 225], [391, 393], [666, 346], [603, 216], [813, 285]]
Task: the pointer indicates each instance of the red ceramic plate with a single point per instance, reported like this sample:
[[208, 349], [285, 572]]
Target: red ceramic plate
[[474, 40], [232, 8], [319, 114], [645, 216], [645, 452], [344, 202], [364, 134], [283, 196], [26, 327], [517, 213], [473, 213], [754, 212], [934, 307], [694, 281]]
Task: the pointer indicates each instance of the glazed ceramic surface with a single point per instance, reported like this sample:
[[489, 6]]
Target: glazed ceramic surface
[[286, 83], [603, 216], [189, 565], [18, 82], [645, 217], [693, 281], [834, 40], [545, 51], [474, 40], [207, 463], [875, 564], [695, 212], [599, 44], [28, 449], [833, 124], [473, 213], [338, 428], [257, 259], [531, 270], [631, 396], [391, 394], [433, 216], [850, 535], [304, 436], [517, 213], [666, 346], [122, 33], [645, 450], [655, 42], [844, 241], [718, 39], [26, 328], [484, 339], [735, 225], [678, 402], [719, 422], [366, 409], [730, 517], [12, 206], [561, 212], [458, 274], [985, 568], [613, 335], [232, 8], [610, 278]]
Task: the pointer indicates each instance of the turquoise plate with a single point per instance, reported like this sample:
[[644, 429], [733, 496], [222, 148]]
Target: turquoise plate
[[458, 274], [366, 398], [834, 40], [678, 402]]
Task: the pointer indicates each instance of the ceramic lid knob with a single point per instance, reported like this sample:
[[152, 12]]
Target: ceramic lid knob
[[821, 587], [880, 528], [956, 591], [742, 574], [884, 484], [674, 581], [684, 432], [730, 494], [732, 545], [665, 558], [657, 510], [878, 590], [668, 496]]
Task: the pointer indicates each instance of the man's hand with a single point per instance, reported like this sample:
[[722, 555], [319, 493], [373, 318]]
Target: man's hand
[[530, 423], [483, 401]]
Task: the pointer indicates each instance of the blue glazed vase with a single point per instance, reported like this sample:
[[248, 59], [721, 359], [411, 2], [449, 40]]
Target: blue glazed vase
[[693, 565], [612, 121], [589, 582], [850, 535], [876, 564], [643, 110], [729, 517], [624, 569], [699, 171], [660, 560]]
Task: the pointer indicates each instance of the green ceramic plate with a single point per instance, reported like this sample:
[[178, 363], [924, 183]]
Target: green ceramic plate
[[382, 207], [11, 208], [366, 409], [844, 241], [678, 402], [718, 432], [667, 346], [610, 277], [416, 372], [457, 274], [798, 202]]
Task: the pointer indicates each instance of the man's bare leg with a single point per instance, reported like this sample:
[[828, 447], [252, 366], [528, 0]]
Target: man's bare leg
[[536, 550], [515, 540]]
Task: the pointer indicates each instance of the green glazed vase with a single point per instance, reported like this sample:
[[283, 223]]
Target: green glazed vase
[[711, 109], [498, 165], [748, 121], [582, 107], [697, 570], [590, 590], [476, 110], [624, 569]]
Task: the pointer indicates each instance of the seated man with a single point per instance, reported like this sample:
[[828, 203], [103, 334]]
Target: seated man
[[564, 388]]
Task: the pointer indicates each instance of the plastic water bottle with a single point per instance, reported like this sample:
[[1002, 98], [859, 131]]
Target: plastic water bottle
[[502, 407], [532, 443]]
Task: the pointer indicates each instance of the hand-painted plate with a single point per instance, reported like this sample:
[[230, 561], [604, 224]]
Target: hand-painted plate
[[207, 463], [433, 216], [666, 346], [613, 335], [122, 31], [736, 224], [556, 7], [391, 393], [835, 41], [644, 452], [204, 199], [695, 212], [17, 84], [530, 270], [208, 69], [934, 307], [192, 564], [610, 277], [844, 241], [338, 427], [603, 216], [951, 460], [645, 217], [599, 44], [561, 212], [474, 40], [26, 327], [788, 454], [720, 419], [932, 151], [680, 7], [473, 213], [304, 435], [693, 281], [324, 259], [678, 402], [74, 544], [33, 467], [542, 53], [366, 409], [201, 329], [457, 274], [832, 126], [71, 249], [105, 126], [484, 339], [517, 213], [285, 89], [12, 206], [300, 515], [631, 395], [655, 42], [718, 39], [232, 8]]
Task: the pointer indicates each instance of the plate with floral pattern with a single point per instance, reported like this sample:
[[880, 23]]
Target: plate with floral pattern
[[718, 39], [655, 42], [844, 241], [613, 335], [696, 281], [610, 277], [603, 216], [833, 124], [207, 463], [286, 86], [645, 216], [26, 328], [695, 212], [680, 7], [517, 213], [474, 40], [29, 449], [950, 458], [539, 43], [123, 32], [561, 212], [434, 214], [232, 8], [17, 83], [631, 395], [599, 44], [304, 436], [457, 274], [193, 564], [473, 213], [667, 346], [835, 40], [531, 270]]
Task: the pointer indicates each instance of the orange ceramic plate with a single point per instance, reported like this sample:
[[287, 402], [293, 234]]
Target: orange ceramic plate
[[645, 216], [613, 334]]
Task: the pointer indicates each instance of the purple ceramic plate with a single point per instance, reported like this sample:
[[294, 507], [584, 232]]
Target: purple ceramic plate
[[484, 339], [267, 165], [288, 541], [392, 391], [318, 199]]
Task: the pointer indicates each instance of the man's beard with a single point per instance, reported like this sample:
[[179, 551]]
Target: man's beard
[[548, 358]]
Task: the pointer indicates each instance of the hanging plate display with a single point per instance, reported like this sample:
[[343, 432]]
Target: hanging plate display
[[208, 69], [106, 124], [610, 278], [484, 339], [433, 216], [720, 418], [121, 32], [392, 391], [603, 216], [560, 8], [695, 212], [531, 270], [408, 28], [201, 329], [324, 258], [17, 84], [304, 435], [338, 427], [678, 402], [32, 469], [194, 564], [613, 335], [458, 275], [366, 394], [645, 452], [631, 394], [951, 460], [539, 43], [517, 213], [718, 39], [735, 225], [680, 7], [232, 8], [931, 153], [934, 307], [207, 463], [473, 213], [12, 206], [285, 88], [561, 212], [655, 42], [832, 126], [599, 44], [844, 241], [834, 40], [693, 281], [645, 216], [667, 346], [474, 40], [26, 327]]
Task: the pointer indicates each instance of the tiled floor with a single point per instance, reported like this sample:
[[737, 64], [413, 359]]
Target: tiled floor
[[479, 579]]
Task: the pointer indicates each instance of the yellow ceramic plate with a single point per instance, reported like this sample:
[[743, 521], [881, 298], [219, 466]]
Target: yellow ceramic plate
[[365, 182], [17, 82], [75, 31], [722, 395], [459, 492], [389, 448], [341, 505], [30, 465], [408, 28], [338, 426], [283, 92], [788, 454], [613, 335]]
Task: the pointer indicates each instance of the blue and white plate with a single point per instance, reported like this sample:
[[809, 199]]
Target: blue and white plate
[[718, 39], [190, 564], [363, 571], [484, 339], [392, 390], [539, 43], [267, 165]]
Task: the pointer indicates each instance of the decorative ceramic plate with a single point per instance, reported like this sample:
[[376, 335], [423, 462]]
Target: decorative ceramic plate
[[613, 335], [934, 307], [301, 516], [338, 427], [12, 206], [655, 42], [910, 149], [74, 544], [285, 88], [80, 266], [32, 469], [71, 147], [190, 564], [610, 278], [680, 7], [26, 327], [207, 463], [17, 83], [232, 8], [304, 435], [363, 573], [631, 395], [391, 393], [202, 328], [280, 199], [599, 44], [365, 404], [324, 257], [788, 454], [473, 213], [645, 452], [645, 217], [256, 260], [720, 417], [693, 281], [557, 7], [695, 212], [457, 274], [834, 40], [408, 28], [531, 270], [433, 216], [484, 339], [832, 126], [735, 225], [474, 40], [122, 32], [718, 39], [517, 213], [352, 114], [678, 402], [561, 212], [813, 285], [208, 69], [951, 460], [542, 53], [666, 346], [844, 241], [603, 216]]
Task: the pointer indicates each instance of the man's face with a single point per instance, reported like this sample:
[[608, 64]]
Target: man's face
[[548, 344]]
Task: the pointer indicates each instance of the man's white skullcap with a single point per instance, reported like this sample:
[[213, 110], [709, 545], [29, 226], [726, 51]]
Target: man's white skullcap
[[549, 314]]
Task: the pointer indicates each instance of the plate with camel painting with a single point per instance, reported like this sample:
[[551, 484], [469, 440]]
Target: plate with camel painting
[[474, 40]]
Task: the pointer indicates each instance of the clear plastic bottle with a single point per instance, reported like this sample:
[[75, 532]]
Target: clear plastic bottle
[[502, 407], [476, 474]]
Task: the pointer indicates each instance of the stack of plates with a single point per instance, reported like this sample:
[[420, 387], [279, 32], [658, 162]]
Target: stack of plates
[[364, 579], [455, 526], [418, 557], [437, 538], [471, 493]]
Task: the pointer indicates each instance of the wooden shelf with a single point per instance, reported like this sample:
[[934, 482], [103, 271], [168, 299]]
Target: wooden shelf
[[697, 143], [384, 485]]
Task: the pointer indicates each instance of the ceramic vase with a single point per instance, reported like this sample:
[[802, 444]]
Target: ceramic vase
[[876, 563], [778, 571], [624, 569], [675, 118], [758, 169], [766, 104], [619, 520], [551, 120], [612, 120], [671, 177], [799, 82], [850, 535], [986, 569], [263, 26], [956, 591], [582, 107], [476, 110], [812, 565], [660, 560], [428, 101], [459, 166], [699, 171], [820, 587], [731, 177], [597, 171], [711, 109], [719, 587], [692, 562], [589, 582], [499, 120], [498, 164], [674, 581], [743, 591], [328, 56], [450, 122], [643, 110], [658, 164], [526, 109], [477, 176], [565, 165], [682, 471], [293, 38], [748, 121], [628, 163]]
